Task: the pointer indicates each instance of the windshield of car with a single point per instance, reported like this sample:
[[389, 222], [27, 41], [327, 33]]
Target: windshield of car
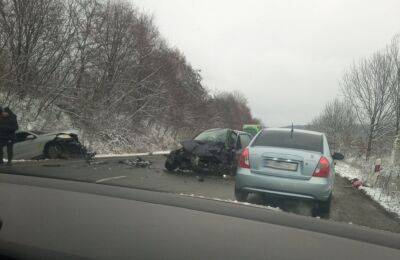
[[286, 139], [213, 136], [188, 97]]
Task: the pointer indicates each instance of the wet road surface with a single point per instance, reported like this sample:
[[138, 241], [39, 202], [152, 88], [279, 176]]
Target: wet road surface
[[348, 205]]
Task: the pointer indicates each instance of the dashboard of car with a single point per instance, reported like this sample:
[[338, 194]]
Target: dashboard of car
[[47, 218]]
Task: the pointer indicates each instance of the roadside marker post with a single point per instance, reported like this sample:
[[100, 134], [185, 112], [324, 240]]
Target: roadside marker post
[[378, 163], [377, 171]]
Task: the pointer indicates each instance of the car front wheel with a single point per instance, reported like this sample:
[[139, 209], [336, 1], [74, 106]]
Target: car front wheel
[[53, 151], [171, 166], [241, 195]]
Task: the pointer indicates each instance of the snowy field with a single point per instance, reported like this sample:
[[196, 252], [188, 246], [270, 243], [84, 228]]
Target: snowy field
[[385, 189]]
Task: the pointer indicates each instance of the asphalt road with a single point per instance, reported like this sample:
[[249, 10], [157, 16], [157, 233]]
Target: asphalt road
[[348, 205]]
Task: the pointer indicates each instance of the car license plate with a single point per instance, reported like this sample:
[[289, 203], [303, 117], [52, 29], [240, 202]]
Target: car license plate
[[281, 165]]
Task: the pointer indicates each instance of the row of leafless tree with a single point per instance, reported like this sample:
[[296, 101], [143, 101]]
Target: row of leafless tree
[[369, 115], [105, 64]]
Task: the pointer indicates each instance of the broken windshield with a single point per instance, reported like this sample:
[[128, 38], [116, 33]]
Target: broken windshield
[[213, 136]]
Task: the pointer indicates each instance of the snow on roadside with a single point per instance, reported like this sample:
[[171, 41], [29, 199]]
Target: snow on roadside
[[348, 171], [131, 154], [388, 202], [26, 160]]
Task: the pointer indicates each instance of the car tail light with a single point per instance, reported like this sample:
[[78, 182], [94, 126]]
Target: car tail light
[[244, 161], [323, 168]]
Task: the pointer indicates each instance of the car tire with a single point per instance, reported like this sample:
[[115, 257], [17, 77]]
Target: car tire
[[241, 195], [171, 166], [52, 151], [323, 208]]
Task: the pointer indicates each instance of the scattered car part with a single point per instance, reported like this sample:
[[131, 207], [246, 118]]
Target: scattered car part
[[51, 165], [137, 162], [93, 162], [356, 183]]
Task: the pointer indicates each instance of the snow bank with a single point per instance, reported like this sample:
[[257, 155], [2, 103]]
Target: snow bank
[[111, 155], [51, 119], [385, 190], [389, 202], [347, 171], [121, 140]]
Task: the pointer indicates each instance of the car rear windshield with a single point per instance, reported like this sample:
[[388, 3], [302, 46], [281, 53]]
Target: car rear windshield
[[284, 139]]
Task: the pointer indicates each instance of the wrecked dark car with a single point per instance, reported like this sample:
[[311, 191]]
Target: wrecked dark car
[[215, 151], [55, 145]]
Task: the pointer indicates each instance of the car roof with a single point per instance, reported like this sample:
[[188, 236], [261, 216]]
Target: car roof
[[214, 129], [278, 129], [236, 131]]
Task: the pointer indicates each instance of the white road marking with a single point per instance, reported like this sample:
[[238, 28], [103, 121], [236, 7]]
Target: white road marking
[[110, 178]]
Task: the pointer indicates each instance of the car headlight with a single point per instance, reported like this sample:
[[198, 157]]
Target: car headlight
[[64, 136]]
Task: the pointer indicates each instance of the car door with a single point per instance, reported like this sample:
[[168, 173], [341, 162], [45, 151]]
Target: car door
[[26, 146]]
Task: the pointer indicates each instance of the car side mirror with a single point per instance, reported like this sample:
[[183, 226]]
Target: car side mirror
[[338, 156]]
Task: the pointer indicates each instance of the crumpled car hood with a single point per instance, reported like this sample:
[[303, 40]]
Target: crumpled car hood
[[69, 131], [202, 148]]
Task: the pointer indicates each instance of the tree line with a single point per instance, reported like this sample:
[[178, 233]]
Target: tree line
[[105, 65], [366, 119]]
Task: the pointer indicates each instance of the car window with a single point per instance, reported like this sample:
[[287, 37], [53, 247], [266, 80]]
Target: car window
[[213, 136], [245, 140], [21, 136], [284, 139], [239, 143], [327, 147]]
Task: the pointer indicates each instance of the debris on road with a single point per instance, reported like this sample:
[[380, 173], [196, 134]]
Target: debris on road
[[137, 162], [51, 165], [228, 177], [200, 178], [93, 162], [356, 183]]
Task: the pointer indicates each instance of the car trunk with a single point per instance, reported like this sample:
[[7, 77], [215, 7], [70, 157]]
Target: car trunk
[[282, 162]]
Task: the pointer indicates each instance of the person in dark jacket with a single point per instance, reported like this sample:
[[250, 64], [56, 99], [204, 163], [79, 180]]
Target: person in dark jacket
[[8, 127]]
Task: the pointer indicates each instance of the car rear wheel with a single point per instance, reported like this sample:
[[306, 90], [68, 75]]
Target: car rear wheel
[[53, 151], [241, 195], [323, 208]]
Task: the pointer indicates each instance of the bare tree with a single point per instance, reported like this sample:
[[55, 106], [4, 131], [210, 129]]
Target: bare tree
[[337, 121], [367, 88], [36, 36], [394, 54], [105, 65]]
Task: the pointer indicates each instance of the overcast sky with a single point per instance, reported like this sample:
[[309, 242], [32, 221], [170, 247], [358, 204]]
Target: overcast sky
[[287, 57]]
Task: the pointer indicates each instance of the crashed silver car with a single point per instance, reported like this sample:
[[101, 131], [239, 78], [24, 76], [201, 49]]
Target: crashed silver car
[[54, 145]]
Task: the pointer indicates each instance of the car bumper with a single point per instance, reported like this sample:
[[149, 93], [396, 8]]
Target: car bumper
[[314, 189]]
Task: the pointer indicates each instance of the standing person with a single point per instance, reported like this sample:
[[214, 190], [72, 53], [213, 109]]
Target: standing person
[[8, 126]]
